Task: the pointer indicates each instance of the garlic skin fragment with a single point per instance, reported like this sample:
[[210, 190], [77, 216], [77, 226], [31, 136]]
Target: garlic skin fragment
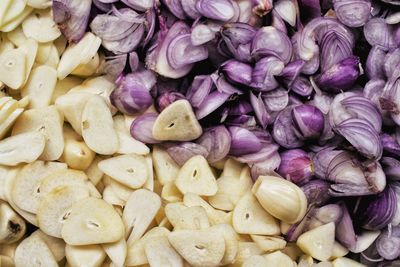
[[282, 199]]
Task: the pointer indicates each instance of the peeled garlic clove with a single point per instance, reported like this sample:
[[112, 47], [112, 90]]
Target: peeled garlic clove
[[232, 168], [21, 148], [40, 86], [177, 122], [88, 69], [231, 242], [91, 255], [12, 68], [250, 218], [282, 199], [159, 252], [130, 170], [54, 209], [269, 243], [278, 259], [12, 226], [33, 250], [116, 252], [98, 127], [41, 27], [318, 242], [196, 177], [165, 167], [199, 248], [76, 153], [92, 221], [25, 190], [48, 121], [140, 210]]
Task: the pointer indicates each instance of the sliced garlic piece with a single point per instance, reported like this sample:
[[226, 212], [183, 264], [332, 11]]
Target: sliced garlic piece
[[196, 177], [173, 211], [279, 259], [79, 256], [130, 170], [33, 251], [88, 69], [338, 251], [47, 55], [230, 190], [92, 221], [54, 209], [170, 193], [6, 125], [318, 242], [255, 261], [6, 261], [127, 144], [177, 122], [232, 168], [14, 10], [17, 37], [159, 252], [269, 243], [15, 22], [136, 251], [76, 54], [192, 218], [21, 148], [56, 245], [40, 86], [200, 248], [7, 108], [4, 5], [98, 127], [48, 121], [71, 105], [250, 218], [30, 48], [116, 252], [40, 26], [26, 186], [214, 216], [346, 262], [12, 226], [40, 4], [64, 86], [231, 242], [165, 167], [122, 191], [13, 68], [62, 177], [140, 210]]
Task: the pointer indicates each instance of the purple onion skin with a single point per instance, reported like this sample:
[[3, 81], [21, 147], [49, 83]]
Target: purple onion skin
[[296, 166], [308, 120], [166, 99], [131, 95]]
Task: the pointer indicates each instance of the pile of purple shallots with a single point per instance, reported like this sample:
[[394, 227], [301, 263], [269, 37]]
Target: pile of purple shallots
[[307, 89]]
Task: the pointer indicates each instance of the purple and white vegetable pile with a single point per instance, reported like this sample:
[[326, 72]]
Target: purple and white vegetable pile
[[308, 89]]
